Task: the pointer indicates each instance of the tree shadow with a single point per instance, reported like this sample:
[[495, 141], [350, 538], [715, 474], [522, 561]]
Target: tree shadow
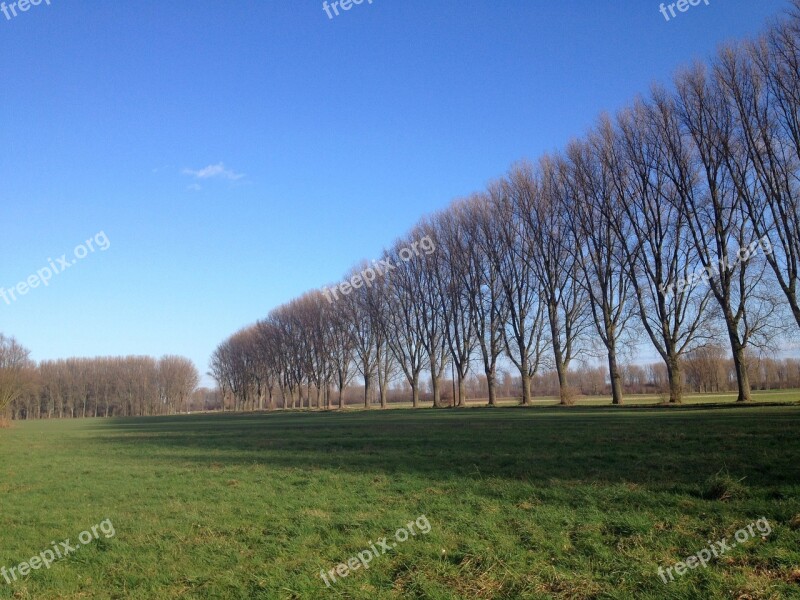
[[661, 448]]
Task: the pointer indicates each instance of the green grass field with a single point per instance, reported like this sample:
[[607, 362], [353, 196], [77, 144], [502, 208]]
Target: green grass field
[[571, 503]]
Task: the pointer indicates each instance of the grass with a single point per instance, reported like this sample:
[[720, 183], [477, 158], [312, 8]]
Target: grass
[[568, 503]]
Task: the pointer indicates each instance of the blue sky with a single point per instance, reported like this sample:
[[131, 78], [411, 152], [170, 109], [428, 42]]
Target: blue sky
[[239, 154]]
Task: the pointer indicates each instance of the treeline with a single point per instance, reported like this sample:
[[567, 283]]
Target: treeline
[[705, 372], [674, 223], [93, 387]]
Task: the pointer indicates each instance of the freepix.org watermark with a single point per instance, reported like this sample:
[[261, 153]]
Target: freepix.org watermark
[[46, 558], [61, 264], [716, 549], [703, 275], [363, 558], [337, 4], [378, 268], [10, 9], [681, 5]]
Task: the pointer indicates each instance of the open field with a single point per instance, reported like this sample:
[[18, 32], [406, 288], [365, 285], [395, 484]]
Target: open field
[[571, 503]]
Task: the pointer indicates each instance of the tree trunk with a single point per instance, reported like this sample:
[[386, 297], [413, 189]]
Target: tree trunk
[[561, 371], [384, 395], [526, 384], [434, 380], [616, 377], [558, 353], [491, 384], [563, 386], [437, 394], [675, 376], [740, 365]]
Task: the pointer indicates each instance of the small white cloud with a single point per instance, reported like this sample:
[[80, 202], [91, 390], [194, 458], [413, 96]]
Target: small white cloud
[[195, 187], [212, 171]]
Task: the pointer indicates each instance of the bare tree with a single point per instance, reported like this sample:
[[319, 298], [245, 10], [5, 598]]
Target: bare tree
[[376, 299], [483, 284], [365, 334], [340, 345], [600, 257], [524, 331], [15, 370], [268, 357], [178, 378], [697, 129], [455, 278], [404, 319], [657, 243], [763, 89], [424, 273], [294, 348], [544, 202]]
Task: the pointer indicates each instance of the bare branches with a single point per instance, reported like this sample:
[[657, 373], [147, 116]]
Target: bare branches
[[15, 370]]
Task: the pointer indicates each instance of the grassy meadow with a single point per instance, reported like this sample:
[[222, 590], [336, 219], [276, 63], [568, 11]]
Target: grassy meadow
[[571, 503]]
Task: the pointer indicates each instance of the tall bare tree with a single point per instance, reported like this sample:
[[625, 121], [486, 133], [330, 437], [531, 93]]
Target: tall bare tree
[[544, 202], [697, 129], [458, 290], [365, 334], [482, 281], [524, 332], [657, 242], [178, 378], [600, 257], [761, 84], [404, 320]]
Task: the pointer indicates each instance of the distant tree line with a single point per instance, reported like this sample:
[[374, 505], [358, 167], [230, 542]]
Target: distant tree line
[[94, 387], [707, 369], [675, 222]]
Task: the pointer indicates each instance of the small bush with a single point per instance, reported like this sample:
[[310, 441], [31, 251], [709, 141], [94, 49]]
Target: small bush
[[724, 487], [569, 395], [5, 423]]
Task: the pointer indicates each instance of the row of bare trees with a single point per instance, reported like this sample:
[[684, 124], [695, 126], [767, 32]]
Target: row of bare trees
[[707, 369], [578, 252], [92, 387]]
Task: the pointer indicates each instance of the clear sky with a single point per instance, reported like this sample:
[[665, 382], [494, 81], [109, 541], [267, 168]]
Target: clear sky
[[237, 154]]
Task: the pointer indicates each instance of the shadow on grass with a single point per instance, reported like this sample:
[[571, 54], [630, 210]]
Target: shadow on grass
[[660, 448]]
